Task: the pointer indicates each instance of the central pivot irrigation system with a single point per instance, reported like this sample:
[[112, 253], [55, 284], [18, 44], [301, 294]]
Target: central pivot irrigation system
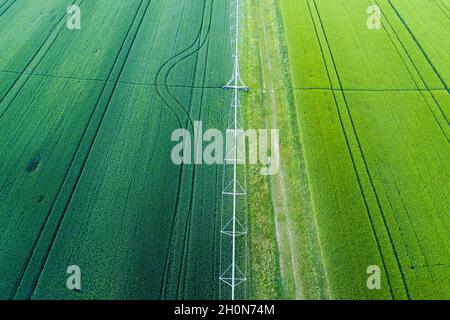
[[233, 238]]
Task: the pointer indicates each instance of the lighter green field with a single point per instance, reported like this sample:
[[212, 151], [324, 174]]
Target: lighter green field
[[86, 177], [365, 146]]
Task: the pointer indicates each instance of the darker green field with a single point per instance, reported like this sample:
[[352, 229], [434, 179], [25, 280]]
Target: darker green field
[[86, 177], [375, 134]]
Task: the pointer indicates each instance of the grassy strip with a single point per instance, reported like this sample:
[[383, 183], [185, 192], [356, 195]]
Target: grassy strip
[[265, 280], [369, 185], [288, 211]]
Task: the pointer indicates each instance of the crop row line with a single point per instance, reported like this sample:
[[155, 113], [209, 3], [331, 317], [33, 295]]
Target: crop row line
[[97, 126], [6, 9], [347, 141], [194, 171], [405, 208], [107, 94], [419, 46], [33, 63], [174, 60], [132, 83], [184, 263], [168, 106], [363, 157], [181, 56], [440, 8], [369, 90], [418, 73], [445, 5], [109, 97]]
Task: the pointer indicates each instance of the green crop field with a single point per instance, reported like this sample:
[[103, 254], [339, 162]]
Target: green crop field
[[369, 110], [85, 172], [87, 179]]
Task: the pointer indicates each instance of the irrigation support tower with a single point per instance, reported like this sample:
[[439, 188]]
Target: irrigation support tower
[[231, 226]]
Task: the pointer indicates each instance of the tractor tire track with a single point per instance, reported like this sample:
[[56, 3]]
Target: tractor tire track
[[168, 251], [386, 226], [190, 217], [418, 73], [174, 60], [86, 156], [184, 55], [193, 177], [422, 251], [26, 75], [440, 8], [7, 8], [352, 157], [57, 29], [434, 116], [445, 5]]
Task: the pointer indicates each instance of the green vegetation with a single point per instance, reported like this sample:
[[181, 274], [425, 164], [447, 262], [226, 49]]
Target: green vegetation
[[374, 131], [86, 177], [285, 250]]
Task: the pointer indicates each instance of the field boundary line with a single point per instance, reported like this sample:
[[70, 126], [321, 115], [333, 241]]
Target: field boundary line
[[184, 54], [322, 289], [364, 158], [32, 64], [202, 96], [418, 73], [174, 85], [98, 127], [235, 190], [352, 156], [419, 46], [72, 185]]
